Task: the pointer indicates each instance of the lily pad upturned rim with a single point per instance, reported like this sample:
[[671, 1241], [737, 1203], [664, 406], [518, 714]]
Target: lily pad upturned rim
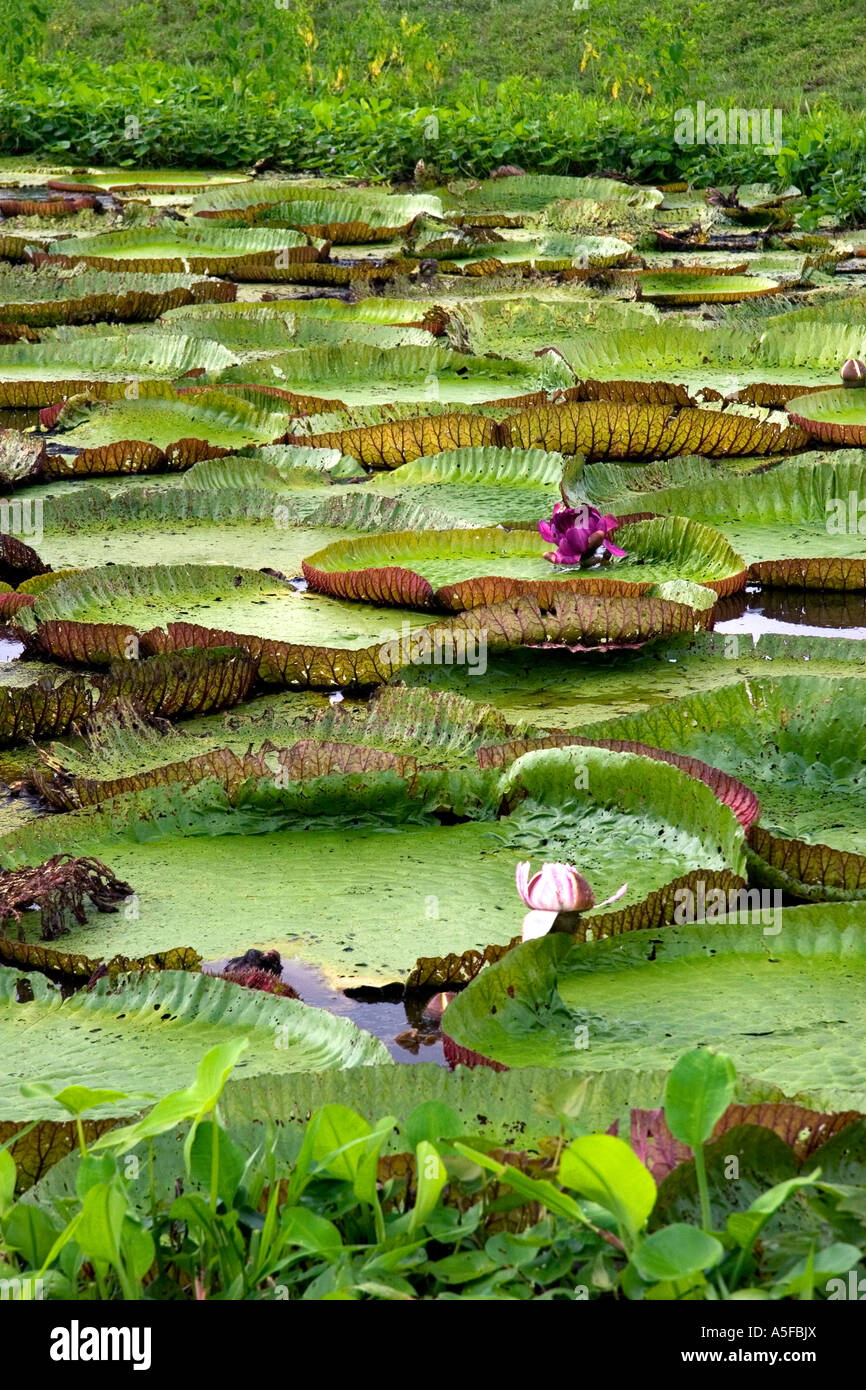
[[814, 414], [401, 585], [481, 1016]]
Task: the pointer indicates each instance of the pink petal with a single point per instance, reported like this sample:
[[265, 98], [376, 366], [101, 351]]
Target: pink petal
[[614, 549], [522, 877], [618, 894], [558, 888], [547, 532]]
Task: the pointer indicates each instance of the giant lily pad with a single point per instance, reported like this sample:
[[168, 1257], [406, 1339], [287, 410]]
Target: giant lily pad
[[242, 602], [797, 523], [149, 1034], [38, 375], [481, 486], [680, 287], [432, 887], [150, 180], [602, 429], [368, 376], [153, 425], [542, 253], [785, 1007], [465, 568], [797, 741], [175, 247], [259, 332], [525, 193], [766, 369], [380, 206], [340, 219], [836, 417], [553, 689], [48, 297]]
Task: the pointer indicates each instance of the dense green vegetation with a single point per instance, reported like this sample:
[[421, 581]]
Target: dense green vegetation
[[582, 91], [415, 1207]]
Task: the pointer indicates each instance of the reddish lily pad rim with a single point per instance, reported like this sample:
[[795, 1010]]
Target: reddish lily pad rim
[[396, 584]]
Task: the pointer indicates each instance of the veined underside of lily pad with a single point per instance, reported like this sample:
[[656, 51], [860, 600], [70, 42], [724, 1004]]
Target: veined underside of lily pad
[[595, 429]]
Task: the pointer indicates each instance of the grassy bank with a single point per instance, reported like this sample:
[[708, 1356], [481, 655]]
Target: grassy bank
[[779, 50], [350, 89]]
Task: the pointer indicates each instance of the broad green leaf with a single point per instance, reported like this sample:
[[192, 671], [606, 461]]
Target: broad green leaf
[[676, 1252], [604, 1169], [700, 1088]]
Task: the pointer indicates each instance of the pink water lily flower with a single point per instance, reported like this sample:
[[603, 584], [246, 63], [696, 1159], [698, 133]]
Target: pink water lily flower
[[555, 888], [577, 533]]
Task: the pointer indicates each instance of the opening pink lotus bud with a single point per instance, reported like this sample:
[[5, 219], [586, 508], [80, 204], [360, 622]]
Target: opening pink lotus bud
[[556, 888], [853, 372]]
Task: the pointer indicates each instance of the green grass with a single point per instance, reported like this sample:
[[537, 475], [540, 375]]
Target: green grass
[[346, 89], [773, 53]]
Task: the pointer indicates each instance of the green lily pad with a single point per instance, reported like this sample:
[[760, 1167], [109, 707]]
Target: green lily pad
[[523, 193], [553, 688], [783, 519], [799, 742], [370, 376], [432, 887], [543, 253], [679, 287], [835, 417], [784, 1007], [149, 1035], [51, 297], [106, 431], [465, 568], [153, 180], [39, 374], [481, 487], [179, 247], [243, 601]]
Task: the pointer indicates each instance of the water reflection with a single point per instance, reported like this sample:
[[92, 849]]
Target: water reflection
[[793, 612]]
